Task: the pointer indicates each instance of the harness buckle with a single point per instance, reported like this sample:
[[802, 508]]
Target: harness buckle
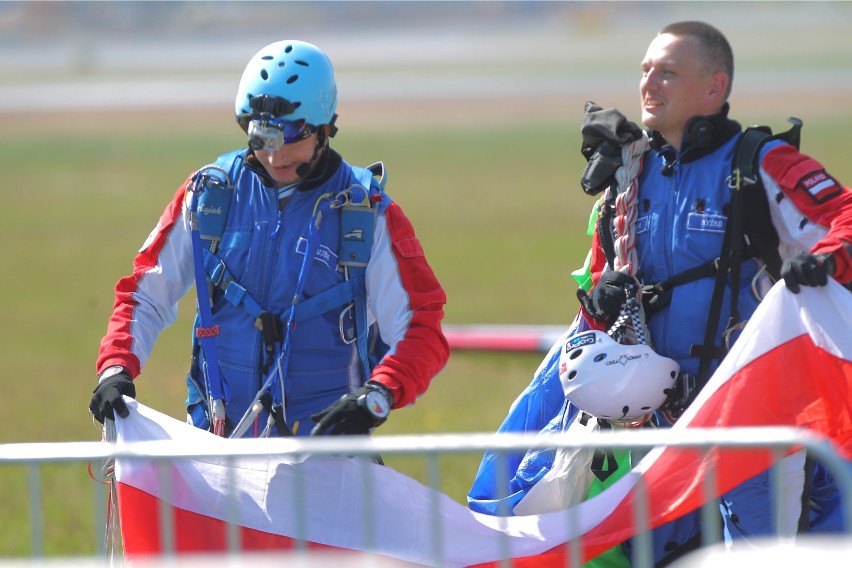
[[715, 264], [680, 396], [270, 328], [348, 334], [726, 335]]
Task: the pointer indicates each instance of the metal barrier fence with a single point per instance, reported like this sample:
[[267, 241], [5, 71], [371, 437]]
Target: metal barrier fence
[[431, 447]]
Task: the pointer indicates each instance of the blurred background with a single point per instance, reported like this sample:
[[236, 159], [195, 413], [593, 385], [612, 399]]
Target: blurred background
[[106, 107]]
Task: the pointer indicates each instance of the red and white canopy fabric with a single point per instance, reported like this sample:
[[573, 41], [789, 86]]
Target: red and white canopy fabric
[[792, 367]]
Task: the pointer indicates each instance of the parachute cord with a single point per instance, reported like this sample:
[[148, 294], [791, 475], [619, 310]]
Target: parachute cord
[[106, 475], [626, 205], [629, 328]]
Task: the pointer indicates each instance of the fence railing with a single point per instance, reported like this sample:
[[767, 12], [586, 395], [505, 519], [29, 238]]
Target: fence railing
[[430, 447]]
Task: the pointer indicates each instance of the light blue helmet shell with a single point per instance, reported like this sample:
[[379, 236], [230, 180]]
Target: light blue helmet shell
[[294, 70]]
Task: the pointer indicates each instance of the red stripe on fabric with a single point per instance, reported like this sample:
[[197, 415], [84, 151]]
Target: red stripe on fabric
[[194, 533]]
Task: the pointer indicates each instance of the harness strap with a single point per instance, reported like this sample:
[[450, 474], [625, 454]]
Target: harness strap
[[214, 179], [731, 255], [357, 272], [206, 331]]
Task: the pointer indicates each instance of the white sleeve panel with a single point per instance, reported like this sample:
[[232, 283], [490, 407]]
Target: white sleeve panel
[[161, 287], [387, 300]]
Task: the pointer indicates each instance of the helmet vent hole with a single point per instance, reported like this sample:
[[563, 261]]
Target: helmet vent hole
[[302, 63], [646, 408], [673, 374], [266, 57], [575, 354], [288, 49], [280, 64], [264, 75], [292, 79], [572, 375]]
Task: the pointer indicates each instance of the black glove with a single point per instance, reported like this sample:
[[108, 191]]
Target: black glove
[[108, 396], [608, 295], [604, 132], [355, 413], [807, 270]]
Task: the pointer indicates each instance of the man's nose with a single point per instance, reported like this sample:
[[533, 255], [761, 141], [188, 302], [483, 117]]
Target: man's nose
[[649, 81]]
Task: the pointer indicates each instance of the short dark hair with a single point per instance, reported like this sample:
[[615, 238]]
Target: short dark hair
[[717, 53]]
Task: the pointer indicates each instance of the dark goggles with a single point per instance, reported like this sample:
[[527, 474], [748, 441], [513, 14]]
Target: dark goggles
[[271, 134]]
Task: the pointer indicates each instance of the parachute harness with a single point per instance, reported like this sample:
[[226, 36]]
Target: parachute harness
[[274, 385]]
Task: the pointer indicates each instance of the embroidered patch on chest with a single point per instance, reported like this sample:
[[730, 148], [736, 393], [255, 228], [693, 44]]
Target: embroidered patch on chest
[[819, 185], [706, 222], [323, 254]]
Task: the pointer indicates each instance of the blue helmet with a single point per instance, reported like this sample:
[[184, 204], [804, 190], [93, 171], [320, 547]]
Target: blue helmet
[[293, 79]]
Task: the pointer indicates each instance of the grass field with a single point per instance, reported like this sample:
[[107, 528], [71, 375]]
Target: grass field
[[495, 203]]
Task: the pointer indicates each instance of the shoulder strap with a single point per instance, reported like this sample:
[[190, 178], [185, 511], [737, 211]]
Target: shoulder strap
[[357, 224], [746, 193], [212, 190], [757, 225]]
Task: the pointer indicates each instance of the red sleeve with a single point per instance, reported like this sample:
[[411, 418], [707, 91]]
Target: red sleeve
[[423, 351], [819, 198]]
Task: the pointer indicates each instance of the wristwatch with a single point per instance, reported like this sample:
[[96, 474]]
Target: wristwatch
[[376, 403]]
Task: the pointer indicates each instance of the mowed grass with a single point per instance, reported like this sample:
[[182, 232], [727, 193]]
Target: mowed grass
[[497, 206]]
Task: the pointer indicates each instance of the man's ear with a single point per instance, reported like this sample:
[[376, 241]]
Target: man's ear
[[718, 87]]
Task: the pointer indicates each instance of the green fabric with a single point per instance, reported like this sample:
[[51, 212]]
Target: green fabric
[[583, 275], [615, 556]]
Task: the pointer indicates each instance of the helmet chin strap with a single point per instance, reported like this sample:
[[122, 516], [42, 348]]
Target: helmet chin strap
[[323, 136], [305, 168]]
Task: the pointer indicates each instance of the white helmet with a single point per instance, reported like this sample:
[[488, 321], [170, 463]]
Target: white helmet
[[613, 381]]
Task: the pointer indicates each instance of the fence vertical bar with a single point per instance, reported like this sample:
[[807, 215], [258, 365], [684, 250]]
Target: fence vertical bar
[[100, 500], [574, 546], [780, 506], [300, 544], [710, 520], [36, 518], [165, 510], [642, 546], [232, 514], [369, 508], [433, 480]]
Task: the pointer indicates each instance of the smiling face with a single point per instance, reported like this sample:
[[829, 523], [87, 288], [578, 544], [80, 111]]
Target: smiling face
[[282, 164], [678, 84]]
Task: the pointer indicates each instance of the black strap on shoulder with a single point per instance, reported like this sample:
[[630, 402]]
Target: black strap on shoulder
[[746, 192], [757, 225]]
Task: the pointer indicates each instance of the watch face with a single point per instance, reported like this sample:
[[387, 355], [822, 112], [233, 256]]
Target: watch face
[[377, 404]]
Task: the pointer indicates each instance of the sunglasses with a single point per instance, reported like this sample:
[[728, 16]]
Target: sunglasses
[[271, 134]]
